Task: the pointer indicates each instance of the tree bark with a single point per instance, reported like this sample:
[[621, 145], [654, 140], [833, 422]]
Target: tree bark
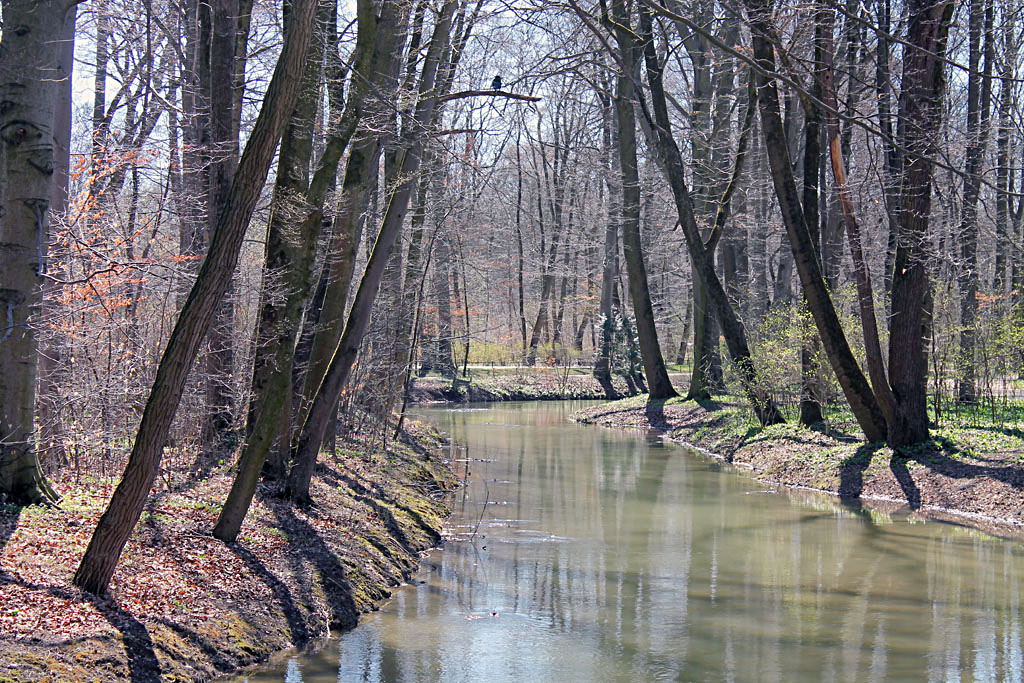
[[191, 195], [1005, 250], [660, 130], [287, 273], [865, 293], [610, 254], [220, 361], [443, 361], [810, 386], [51, 430], [920, 117], [891, 160], [30, 50], [356, 187]]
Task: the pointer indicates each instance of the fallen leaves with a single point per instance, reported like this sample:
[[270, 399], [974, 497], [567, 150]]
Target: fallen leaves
[[174, 574]]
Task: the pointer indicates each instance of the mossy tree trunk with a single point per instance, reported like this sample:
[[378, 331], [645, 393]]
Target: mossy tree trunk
[[295, 224], [358, 184], [340, 367]]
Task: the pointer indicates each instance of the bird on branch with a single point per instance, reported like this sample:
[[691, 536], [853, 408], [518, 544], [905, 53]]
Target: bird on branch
[[496, 83]]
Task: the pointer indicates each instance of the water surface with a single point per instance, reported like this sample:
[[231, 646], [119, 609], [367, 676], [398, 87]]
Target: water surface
[[586, 554]]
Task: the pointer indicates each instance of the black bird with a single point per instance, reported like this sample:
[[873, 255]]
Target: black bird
[[496, 83]]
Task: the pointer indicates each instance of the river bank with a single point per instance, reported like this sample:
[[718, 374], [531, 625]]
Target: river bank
[[184, 606], [533, 385], [969, 471]]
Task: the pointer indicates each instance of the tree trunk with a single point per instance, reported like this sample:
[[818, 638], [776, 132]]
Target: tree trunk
[[1004, 144], [340, 367], [220, 400], [660, 130], [51, 431], [356, 188], [685, 337], [811, 391], [658, 382], [609, 275], [288, 275], [520, 289], [892, 159], [700, 383], [192, 185], [116, 524], [979, 97], [31, 48], [444, 362], [921, 102], [851, 379]]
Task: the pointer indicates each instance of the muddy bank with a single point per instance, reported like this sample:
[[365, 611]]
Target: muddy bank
[[184, 606], [533, 386], [971, 473]]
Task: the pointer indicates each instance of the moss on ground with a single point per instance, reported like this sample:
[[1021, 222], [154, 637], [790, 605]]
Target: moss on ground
[[186, 607]]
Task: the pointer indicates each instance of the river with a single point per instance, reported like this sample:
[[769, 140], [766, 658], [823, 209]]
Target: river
[[585, 554]]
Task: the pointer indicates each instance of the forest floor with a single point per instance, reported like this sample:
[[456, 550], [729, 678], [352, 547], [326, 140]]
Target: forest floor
[[971, 471], [183, 606]]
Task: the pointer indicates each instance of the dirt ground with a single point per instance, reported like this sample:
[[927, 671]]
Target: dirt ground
[[183, 606], [970, 473]]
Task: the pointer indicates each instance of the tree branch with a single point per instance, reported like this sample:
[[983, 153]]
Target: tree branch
[[486, 93]]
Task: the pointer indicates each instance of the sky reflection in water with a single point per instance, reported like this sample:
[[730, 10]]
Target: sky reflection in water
[[585, 554]]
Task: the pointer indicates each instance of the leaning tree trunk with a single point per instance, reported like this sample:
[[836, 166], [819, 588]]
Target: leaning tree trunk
[[30, 49], [360, 176], [289, 262], [855, 386], [337, 374], [116, 524], [659, 130]]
